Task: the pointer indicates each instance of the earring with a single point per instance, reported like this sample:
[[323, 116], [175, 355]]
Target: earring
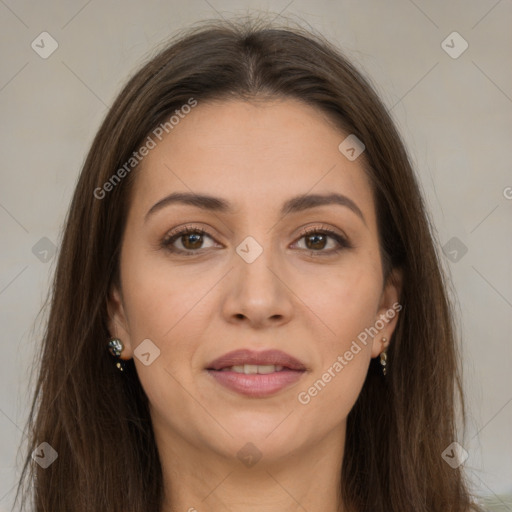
[[115, 347], [383, 358]]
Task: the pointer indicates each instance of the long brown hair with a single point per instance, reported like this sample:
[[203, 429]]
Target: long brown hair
[[97, 418]]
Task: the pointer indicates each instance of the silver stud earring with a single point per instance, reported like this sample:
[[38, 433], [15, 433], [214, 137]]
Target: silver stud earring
[[383, 358], [115, 347]]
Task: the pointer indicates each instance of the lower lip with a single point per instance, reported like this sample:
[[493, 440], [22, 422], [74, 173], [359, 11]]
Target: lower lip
[[256, 385]]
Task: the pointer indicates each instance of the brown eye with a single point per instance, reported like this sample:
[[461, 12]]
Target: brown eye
[[186, 241], [317, 240], [192, 240]]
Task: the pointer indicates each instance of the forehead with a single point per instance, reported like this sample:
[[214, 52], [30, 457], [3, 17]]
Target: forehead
[[255, 154]]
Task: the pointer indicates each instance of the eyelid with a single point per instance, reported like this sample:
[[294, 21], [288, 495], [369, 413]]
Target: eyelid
[[179, 231], [342, 240], [184, 229], [173, 235]]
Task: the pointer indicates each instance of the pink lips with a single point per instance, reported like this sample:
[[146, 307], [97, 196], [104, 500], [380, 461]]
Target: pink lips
[[256, 385], [239, 357]]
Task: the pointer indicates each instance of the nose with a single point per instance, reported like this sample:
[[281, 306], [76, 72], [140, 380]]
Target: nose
[[258, 293]]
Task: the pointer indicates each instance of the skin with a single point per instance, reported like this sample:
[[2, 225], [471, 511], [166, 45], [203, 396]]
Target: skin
[[196, 308]]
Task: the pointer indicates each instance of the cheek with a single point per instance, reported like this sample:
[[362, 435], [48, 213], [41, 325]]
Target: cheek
[[347, 303], [160, 296], [328, 397], [357, 301], [346, 300], [163, 305]]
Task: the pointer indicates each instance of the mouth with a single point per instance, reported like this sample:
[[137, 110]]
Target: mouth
[[252, 369], [249, 360], [256, 374]]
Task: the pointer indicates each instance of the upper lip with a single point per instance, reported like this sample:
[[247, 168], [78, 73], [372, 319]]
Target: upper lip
[[266, 357]]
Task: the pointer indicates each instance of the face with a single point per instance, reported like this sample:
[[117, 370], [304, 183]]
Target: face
[[306, 281]]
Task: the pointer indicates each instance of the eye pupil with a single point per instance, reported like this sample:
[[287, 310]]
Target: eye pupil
[[196, 237], [316, 237]]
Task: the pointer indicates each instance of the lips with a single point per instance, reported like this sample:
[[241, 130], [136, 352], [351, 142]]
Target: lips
[[256, 374], [248, 357]]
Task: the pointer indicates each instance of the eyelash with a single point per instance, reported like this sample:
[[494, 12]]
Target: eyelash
[[169, 239]]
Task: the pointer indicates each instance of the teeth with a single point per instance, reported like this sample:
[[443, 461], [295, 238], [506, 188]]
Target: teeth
[[251, 369]]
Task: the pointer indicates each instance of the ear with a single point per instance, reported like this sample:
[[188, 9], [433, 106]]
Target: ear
[[387, 314], [117, 322]]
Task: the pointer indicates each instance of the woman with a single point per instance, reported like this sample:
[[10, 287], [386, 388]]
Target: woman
[[248, 311]]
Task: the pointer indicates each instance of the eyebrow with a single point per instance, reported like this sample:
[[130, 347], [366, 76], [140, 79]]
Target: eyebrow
[[217, 204]]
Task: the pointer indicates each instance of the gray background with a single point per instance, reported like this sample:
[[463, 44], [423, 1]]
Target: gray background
[[454, 114]]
